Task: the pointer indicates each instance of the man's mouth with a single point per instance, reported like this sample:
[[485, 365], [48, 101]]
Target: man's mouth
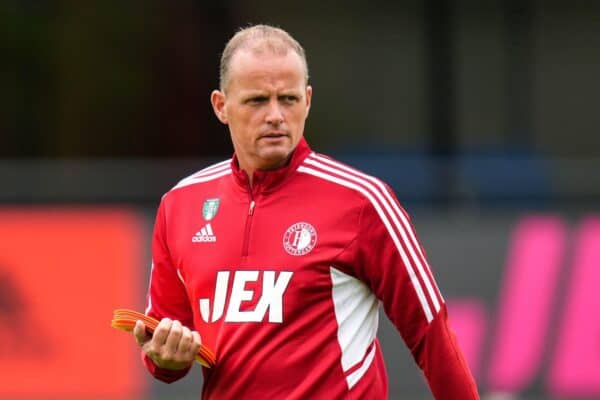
[[273, 135]]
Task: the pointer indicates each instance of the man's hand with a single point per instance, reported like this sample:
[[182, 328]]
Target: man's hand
[[172, 346]]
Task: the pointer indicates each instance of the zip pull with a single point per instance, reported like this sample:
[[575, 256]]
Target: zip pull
[[251, 209]]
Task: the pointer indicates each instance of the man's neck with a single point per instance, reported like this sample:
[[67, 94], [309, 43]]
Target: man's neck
[[250, 174], [250, 170]]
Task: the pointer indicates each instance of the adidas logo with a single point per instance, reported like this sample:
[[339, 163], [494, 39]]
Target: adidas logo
[[204, 235]]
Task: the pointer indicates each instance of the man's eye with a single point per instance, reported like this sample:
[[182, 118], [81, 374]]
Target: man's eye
[[256, 100], [289, 99]]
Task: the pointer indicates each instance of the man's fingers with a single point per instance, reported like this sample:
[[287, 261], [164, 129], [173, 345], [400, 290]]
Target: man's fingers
[[172, 346], [161, 333], [189, 345], [172, 340], [196, 337], [186, 340], [196, 342], [139, 332]]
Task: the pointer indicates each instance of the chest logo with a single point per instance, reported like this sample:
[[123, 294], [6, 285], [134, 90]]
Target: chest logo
[[210, 208], [300, 239], [204, 235]]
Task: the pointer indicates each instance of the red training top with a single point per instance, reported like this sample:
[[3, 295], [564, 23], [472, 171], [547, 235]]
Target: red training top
[[284, 283]]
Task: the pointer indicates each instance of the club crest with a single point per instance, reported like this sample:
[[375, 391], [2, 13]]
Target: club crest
[[210, 208], [299, 239]]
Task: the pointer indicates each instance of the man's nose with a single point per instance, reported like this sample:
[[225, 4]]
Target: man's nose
[[274, 113]]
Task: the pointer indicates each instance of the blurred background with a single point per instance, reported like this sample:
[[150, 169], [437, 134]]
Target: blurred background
[[482, 115]]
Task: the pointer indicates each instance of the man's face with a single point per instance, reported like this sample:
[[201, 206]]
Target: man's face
[[265, 104]]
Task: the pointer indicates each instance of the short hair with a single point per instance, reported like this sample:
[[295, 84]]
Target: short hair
[[258, 38]]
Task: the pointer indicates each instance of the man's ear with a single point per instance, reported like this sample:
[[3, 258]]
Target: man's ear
[[308, 98], [217, 99]]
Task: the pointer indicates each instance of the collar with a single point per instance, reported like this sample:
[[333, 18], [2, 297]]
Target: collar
[[268, 180]]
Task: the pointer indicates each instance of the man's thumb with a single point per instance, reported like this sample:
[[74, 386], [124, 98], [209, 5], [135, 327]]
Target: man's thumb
[[140, 334]]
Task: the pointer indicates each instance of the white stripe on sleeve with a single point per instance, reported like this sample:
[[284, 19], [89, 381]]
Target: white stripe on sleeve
[[409, 269], [201, 178], [388, 204], [149, 306], [401, 229]]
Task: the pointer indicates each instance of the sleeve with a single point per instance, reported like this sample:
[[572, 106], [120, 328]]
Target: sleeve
[[388, 257], [167, 296]]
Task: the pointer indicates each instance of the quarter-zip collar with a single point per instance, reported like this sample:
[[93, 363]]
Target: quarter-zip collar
[[267, 180]]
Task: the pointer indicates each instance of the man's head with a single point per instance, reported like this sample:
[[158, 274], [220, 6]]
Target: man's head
[[259, 38], [264, 96]]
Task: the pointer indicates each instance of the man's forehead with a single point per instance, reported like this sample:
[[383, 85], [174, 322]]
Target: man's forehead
[[250, 57], [273, 46], [268, 91], [248, 65]]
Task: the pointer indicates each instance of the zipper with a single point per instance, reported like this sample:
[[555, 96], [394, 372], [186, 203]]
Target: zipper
[[248, 225]]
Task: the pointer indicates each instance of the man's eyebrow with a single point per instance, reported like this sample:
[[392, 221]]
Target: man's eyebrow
[[251, 95], [254, 97], [254, 92]]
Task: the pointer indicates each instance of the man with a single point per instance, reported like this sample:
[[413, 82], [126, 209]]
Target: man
[[280, 257]]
